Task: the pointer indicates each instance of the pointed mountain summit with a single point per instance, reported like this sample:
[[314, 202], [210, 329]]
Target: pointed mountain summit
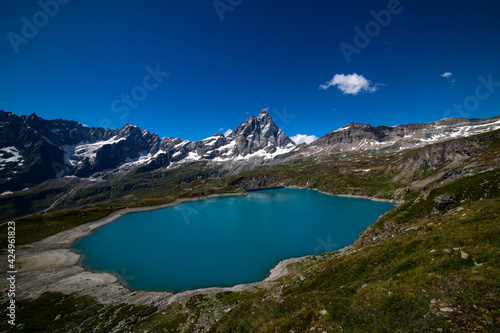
[[259, 133], [257, 138]]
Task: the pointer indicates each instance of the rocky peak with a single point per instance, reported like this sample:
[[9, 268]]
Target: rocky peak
[[358, 125], [4, 115], [129, 130], [258, 133], [32, 117], [263, 114]]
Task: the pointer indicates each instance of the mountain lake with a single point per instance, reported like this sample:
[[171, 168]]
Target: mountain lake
[[224, 241]]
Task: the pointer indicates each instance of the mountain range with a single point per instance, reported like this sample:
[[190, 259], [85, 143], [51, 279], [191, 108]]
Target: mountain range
[[34, 150]]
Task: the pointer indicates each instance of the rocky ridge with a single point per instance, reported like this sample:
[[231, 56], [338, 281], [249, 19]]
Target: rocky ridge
[[34, 150], [356, 137]]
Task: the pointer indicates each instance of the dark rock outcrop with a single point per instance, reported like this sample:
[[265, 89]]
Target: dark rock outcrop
[[443, 201], [253, 182]]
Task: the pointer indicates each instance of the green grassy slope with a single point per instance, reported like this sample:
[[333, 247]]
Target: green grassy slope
[[444, 274], [54, 312]]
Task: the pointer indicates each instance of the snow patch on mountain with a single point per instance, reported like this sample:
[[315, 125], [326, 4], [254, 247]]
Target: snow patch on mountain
[[73, 154], [10, 155], [356, 137], [143, 159]]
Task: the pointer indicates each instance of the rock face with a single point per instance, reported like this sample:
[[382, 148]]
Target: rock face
[[48, 149], [258, 133], [258, 138], [253, 182], [357, 137], [442, 201], [33, 149]]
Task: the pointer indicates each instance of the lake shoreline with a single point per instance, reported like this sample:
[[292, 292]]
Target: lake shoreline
[[371, 198], [51, 265]]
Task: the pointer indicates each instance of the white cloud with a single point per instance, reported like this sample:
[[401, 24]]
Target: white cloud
[[350, 84], [301, 138], [450, 77], [221, 129], [228, 131]]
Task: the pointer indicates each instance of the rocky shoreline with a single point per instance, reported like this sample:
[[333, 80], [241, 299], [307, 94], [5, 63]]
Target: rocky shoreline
[[395, 202], [51, 266]]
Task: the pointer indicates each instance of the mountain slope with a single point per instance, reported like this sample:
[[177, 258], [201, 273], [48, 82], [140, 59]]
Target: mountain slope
[[34, 149], [259, 136], [357, 137]]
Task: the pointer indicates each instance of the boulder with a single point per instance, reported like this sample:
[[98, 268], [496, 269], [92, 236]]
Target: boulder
[[443, 201]]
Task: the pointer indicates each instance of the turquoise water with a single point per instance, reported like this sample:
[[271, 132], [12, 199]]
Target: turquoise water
[[225, 241]]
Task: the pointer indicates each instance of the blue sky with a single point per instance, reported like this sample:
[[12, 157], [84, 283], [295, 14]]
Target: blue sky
[[225, 64]]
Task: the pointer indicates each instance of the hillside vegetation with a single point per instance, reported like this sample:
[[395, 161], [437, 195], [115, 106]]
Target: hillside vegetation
[[438, 269]]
